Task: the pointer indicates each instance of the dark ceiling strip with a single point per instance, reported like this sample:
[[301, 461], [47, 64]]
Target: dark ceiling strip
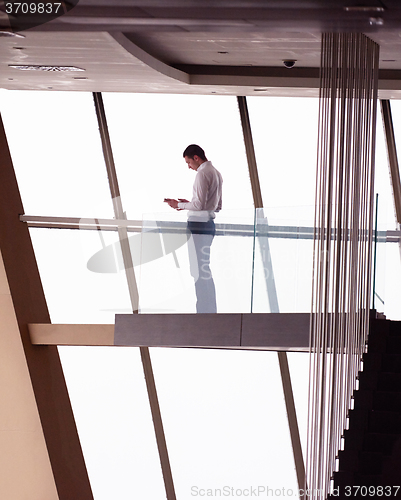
[[264, 71]]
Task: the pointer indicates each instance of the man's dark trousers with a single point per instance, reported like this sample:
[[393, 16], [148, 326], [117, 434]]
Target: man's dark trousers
[[199, 256]]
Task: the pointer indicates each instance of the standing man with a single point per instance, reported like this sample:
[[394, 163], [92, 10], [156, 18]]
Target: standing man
[[206, 201]]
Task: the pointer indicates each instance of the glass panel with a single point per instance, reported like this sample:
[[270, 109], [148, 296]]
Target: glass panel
[[166, 258], [57, 155], [284, 132], [111, 408], [149, 133], [225, 421], [74, 293], [285, 139], [283, 260]]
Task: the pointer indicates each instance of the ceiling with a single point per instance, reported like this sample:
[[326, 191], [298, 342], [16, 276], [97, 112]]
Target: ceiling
[[233, 47]]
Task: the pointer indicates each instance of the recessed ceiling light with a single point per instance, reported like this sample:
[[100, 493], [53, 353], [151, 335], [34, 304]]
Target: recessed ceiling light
[[34, 67], [10, 34], [376, 21]]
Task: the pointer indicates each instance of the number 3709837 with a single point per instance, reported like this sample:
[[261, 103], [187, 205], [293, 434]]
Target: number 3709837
[[16, 8], [371, 491]]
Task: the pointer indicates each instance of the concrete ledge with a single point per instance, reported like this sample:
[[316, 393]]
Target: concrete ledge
[[287, 332], [177, 330], [275, 332], [279, 331]]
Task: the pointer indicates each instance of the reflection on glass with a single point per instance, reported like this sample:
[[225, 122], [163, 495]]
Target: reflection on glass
[[74, 293], [63, 174], [111, 408], [225, 420]]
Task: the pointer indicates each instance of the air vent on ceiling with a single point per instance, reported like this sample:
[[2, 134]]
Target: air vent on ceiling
[[45, 68]]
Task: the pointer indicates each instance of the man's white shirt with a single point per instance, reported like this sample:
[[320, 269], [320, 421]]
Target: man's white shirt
[[206, 194]]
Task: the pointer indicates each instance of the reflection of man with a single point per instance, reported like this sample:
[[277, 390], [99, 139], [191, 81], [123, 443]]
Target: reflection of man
[[206, 200]]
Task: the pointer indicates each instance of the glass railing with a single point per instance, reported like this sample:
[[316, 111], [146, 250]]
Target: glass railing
[[260, 261], [386, 289], [282, 278]]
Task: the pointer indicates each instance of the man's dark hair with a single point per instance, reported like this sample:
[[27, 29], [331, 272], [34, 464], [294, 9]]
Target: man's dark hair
[[194, 149]]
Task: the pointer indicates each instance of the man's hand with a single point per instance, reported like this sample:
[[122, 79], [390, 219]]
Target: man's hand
[[182, 200], [172, 203]]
